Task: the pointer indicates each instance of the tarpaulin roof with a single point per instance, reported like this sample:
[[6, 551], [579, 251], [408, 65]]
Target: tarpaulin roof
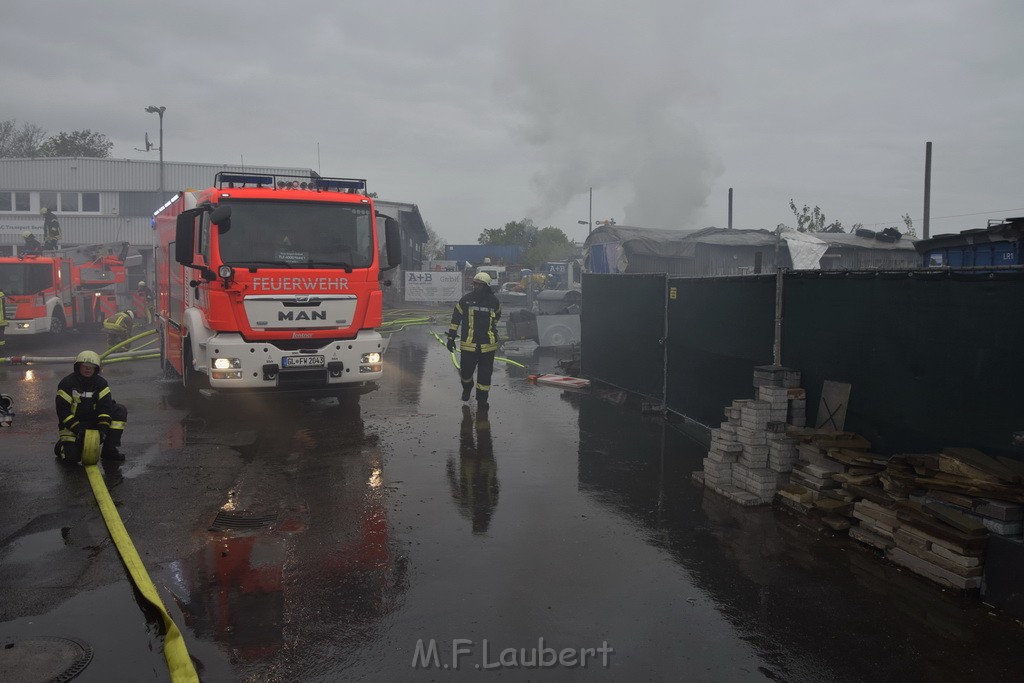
[[683, 243]]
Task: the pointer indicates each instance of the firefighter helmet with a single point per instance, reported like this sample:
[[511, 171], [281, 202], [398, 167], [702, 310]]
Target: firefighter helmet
[[90, 357], [131, 314], [482, 278], [26, 234], [142, 283], [44, 210]]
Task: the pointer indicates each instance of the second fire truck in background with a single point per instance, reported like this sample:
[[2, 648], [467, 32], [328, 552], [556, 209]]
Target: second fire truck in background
[[55, 291]]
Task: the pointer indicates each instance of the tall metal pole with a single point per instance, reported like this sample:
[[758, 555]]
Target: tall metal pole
[[159, 111], [927, 189], [730, 208], [161, 154], [590, 218]]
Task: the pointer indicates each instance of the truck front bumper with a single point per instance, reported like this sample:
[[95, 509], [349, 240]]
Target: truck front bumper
[[230, 362]]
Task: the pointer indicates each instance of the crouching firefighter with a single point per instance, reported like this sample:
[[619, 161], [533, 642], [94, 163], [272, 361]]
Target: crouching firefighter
[[84, 402], [119, 328]]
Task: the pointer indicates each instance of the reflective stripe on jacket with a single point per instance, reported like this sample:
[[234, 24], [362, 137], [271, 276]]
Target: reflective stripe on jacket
[[475, 319], [119, 322], [85, 401]]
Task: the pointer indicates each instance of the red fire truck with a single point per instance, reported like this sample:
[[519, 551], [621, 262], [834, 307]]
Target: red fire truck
[[272, 282], [54, 291]]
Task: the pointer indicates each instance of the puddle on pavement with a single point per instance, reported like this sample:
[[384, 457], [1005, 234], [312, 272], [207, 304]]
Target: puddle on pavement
[[37, 546]]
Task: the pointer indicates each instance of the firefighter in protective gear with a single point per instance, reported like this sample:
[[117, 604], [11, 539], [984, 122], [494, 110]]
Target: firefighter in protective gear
[[84, 402], [145, 299], [32, 245], [475, 318], [51, 230], [119, 327]]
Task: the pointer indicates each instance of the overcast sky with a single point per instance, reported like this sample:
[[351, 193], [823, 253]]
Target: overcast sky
[[487, 111]]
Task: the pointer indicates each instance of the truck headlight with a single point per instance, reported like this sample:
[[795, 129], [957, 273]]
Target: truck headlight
[[372, 357], [226, 363]]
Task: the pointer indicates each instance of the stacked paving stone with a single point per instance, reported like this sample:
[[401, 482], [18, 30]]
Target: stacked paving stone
[[750, 455]]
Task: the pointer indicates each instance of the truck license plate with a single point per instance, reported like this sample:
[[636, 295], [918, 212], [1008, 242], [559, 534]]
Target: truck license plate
[[302, 362]]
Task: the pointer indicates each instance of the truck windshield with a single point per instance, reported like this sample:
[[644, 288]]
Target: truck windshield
[[298, 234], [20, 279]]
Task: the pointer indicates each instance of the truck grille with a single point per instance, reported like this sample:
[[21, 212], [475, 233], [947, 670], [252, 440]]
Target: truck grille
[[297, 379]]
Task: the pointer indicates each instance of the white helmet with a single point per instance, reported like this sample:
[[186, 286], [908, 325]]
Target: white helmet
[[482, 277], [26, 234], [142, 283], [131, 314]]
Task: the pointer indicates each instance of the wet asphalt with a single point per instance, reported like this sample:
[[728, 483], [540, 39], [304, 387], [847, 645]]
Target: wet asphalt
[[411, 537]]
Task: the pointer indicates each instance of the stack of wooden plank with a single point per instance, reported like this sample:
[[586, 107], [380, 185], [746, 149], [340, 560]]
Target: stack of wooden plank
[[933, 513]]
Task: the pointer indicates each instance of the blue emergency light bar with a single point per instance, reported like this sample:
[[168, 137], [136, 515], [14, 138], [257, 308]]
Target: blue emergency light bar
[[243, 179], [313, 181], [338, 184]]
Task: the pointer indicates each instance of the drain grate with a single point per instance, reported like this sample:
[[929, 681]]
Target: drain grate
[[43, 658], [225, 521]]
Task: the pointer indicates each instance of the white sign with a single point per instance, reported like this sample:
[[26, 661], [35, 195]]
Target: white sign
[[427, 286]]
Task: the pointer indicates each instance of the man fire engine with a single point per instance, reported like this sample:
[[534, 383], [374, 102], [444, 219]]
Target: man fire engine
[[241, 308], [54, 291]]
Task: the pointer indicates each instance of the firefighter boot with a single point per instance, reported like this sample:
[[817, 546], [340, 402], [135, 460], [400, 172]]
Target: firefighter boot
[[110, 444], [467, 390], [481, 399]]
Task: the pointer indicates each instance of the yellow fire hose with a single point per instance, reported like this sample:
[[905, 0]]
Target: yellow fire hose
[[179, 664], [456, 362], [127, 341]]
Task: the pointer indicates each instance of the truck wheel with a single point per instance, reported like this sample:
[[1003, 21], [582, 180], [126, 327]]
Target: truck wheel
[[192, 379], [57, 325]]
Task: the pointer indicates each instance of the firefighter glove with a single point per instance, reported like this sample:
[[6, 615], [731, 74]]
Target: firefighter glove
[[451, 343]]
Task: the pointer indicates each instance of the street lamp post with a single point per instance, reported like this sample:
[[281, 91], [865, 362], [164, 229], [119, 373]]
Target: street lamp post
[[160, 112], [590, 219]]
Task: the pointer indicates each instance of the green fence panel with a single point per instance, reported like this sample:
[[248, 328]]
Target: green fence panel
[[621, 328], [718, 330], [933, 359]]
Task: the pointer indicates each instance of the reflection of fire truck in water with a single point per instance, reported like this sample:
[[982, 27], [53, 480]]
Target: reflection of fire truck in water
[[54, 291], [266, 282], [317, 543]]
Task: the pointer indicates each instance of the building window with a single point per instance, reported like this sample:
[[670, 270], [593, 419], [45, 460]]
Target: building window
[[48, 200], [14, 201], [69, 202], [91, 202]]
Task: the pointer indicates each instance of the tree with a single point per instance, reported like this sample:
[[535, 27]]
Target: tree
[[808, 220], [909, 222], [550, 244], [434, 249], [20, 143], [542, 244], [514, 232], [77, 143]]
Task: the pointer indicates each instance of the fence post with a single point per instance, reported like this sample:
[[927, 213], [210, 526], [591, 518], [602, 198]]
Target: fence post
[[777, 346]]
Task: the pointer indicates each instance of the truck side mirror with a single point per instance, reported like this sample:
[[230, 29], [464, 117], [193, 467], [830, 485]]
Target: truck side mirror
[[185, 237], [221, 217], [393, 237]]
